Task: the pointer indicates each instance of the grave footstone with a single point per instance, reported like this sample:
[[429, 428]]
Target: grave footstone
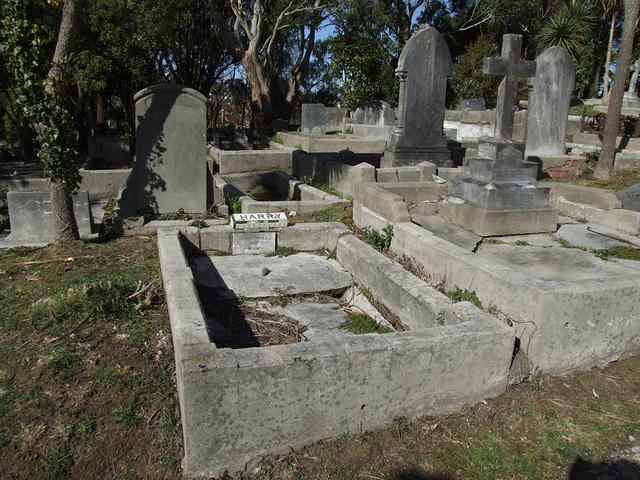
[[169, 172], [314, 119], [423, 68], [32, 220], [254, 243], [549, 102]]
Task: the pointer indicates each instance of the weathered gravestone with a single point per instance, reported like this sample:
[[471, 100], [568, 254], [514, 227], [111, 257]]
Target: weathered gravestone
[[499, 190], [314, 119], [631, 97], [32, 220], [511, 66], [630, 197], [169, 172], [379, 113], [423, 68], [549, 102]]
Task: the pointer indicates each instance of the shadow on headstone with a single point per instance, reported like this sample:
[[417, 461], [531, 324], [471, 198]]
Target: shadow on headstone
[[608, 470]]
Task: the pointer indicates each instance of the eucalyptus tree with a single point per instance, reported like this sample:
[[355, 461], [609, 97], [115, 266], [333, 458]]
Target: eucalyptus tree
[[273, 40]]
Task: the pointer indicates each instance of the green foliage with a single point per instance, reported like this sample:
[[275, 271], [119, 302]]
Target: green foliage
[[380, 240], [468, 81], [569, 27], [321, 186], [359, 323], [459, 295], [522, 243], [235, 205], [199, 224], [285, 251], [44, 103]]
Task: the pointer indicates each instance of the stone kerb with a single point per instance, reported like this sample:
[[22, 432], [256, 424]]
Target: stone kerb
[[243, 161], [237, 405], [386, 204], [550, 317]]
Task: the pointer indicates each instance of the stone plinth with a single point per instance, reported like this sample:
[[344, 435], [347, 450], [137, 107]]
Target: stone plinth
[[314, 119], [498, 149], [500, 197], [631, 100]]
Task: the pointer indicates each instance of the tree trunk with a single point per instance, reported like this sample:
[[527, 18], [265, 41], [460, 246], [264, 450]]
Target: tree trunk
[[607, 64], [61, 193], [604, 169]]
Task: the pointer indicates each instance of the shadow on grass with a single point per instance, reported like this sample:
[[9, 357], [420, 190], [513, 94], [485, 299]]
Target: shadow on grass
[[417, 473], [609, 470]]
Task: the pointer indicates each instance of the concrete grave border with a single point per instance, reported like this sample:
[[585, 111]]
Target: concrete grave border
[[244, 161], [237, 405]]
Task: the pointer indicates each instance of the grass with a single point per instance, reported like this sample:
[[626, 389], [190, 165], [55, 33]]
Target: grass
[[620, 180], [361, 324], [86, 364], [342, 214], [321, 186], [522, 243], [285, 251], [623, 252], [588, 110], [235, 205]]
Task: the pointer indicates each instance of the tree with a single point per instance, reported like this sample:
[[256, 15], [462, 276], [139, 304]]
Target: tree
[[467, 80], [46, 104], [604, 169], [611, 9], [273, 41], [569, 27]]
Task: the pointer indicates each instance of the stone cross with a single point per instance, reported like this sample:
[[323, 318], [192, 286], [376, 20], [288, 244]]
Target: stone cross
[[511, 66], [635, 68]]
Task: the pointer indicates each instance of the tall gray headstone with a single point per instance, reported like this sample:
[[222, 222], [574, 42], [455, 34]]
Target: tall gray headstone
[[511, 66], [169, 173], [379, 113], [423, 68], [549, 102], [314, 119]]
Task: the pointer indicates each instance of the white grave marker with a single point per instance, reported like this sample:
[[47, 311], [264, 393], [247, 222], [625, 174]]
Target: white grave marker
[[258, 221]]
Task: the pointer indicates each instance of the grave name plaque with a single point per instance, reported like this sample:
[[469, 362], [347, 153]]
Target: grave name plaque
[[259, 221], [244, 243]]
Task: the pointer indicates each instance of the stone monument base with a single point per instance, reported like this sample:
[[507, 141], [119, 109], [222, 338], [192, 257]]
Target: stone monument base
[[498, 149], [440, 156], [489, 223]]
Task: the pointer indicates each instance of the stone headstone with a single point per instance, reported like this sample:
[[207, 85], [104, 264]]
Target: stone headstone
[[511, 66], [630, 98], [314, 119], [423, 68], [169, 173], [257, 243], [630, 197], [474, 104], [379, 113], [32, 220], [549, 102], [358, 116]]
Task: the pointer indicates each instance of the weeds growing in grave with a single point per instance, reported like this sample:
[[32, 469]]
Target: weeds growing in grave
[[522, 243], [321, 186], [535, 380], [298, 146], [285, 251], [342, 214], [380, 240], [277, 139], [401, 426], [620, 179], [235, 205], [620, 251], [218, 253], [360, 324], [348, 130], [493, 241], [199, 224], [460, 295]]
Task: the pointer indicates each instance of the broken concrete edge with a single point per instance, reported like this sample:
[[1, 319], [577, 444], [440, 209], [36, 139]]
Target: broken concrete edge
[[625, 221], [208, 378], [540, 311], [383, 202], [594, 197]]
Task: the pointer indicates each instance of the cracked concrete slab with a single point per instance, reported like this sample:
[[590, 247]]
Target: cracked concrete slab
[[448, 231], [591, 235]]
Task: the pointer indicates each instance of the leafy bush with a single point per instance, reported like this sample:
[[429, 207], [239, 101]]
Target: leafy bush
[[235, 205], [459, 295]]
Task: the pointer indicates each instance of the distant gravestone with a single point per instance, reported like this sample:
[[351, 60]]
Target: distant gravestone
[[169, 173], [359, 115], [549, 102], [314, 120], [631, 97], [474, 104], [423, 68], [32, 220], [630, 197], [379, 113]]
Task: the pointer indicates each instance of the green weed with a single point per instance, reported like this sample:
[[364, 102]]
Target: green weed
[[321, 186], [361, 324], [235, 205], [459, 295], [285, 251], [379, 240], [522, 243]]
